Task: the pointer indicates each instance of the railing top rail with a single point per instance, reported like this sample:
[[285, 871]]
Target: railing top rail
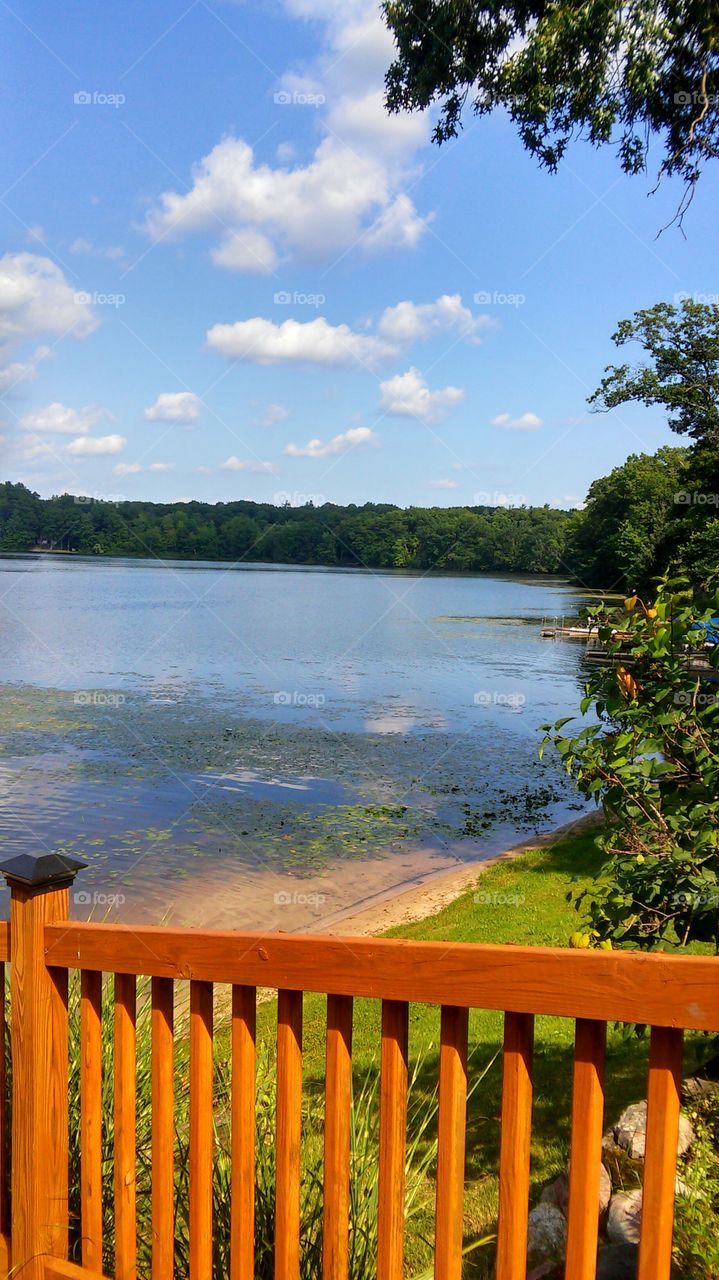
[[658, 989]]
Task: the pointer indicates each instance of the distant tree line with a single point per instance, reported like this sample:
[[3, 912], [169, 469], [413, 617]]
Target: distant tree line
[[377, 535]]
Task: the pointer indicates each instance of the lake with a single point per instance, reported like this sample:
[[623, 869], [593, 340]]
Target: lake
[[214, 739]]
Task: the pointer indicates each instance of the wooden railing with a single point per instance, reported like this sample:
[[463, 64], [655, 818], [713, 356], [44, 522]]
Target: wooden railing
[[590, 987]]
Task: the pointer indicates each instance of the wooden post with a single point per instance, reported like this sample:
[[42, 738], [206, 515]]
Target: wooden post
[[38, 994]]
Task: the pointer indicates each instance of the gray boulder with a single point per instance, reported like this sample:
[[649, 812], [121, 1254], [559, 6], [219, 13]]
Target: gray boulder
[[558, 1193], [624, 1218], [617, 1262], [546, 1234], [630, 1132]]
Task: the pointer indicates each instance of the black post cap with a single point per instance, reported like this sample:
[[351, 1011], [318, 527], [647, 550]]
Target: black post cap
[[41, 872]]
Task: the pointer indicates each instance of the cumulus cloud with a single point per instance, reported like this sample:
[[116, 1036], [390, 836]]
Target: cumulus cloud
[[241, 464], [273, 414], [19, 371], [444, 484], [338, 444], [174, 406], [36, 298], [407, 395], [161, 466], [58, 419], [408, 322], [526, 422], [87, 446], [294, 341], [126, 469], [247, 250]]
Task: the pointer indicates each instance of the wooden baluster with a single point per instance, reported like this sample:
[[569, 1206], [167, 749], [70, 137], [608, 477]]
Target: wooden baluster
[[163, 1129], [392, 1139], [91, 1119], [338, 1104], [586, 1149], [451, 1143], [242, 1177], [125, 1120], [289, 1135], [201, 1131], [660, 1158], [4, 1129], [516, 1132]]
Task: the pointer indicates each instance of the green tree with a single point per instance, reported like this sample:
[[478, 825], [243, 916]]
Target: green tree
[[682, 373], [613, 73], [650, 756]]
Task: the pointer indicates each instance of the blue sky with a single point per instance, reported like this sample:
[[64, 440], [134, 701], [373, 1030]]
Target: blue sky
[[227, 274]]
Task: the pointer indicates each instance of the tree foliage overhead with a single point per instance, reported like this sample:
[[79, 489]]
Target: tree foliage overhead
[[607, 71], [682, 373]]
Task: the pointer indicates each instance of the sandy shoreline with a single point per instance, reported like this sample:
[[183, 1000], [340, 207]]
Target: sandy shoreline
[[427, 899]]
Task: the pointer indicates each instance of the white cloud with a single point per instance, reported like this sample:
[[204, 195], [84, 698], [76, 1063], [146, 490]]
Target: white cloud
[[408, 322], [407, 395], [86, 446], [174, 406], [311, 341], [444, 484], [526, 422], [239, 464], [22, 370], [161, 466], [36, 298], [112, 252], [273, 414], [338, 444], [127, 469], [246, 250], [57, 419]]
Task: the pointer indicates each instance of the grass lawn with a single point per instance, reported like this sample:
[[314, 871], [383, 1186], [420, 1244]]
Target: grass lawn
[[523, 902]]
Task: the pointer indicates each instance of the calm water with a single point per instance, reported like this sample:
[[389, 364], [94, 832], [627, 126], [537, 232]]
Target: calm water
[[171, 720]]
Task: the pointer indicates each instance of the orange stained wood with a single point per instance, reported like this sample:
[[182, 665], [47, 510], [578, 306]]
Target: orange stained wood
[[242, 1183], [40, 1074], [515, 1139], [201, 1131], [586, 1149], [338, 1104], [660, 1157], [451, 1143], [4, 1112], [91, 1119], [125, 1146], [662, 990], [163, 1129], [392, 1139], [55, 1269], [289, 1135], [4, 940]]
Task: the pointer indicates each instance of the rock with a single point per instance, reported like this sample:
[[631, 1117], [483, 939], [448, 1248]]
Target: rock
[[630, 1131], [617, 1262], [546, 1234], [624, 1218], [558, 1193]]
